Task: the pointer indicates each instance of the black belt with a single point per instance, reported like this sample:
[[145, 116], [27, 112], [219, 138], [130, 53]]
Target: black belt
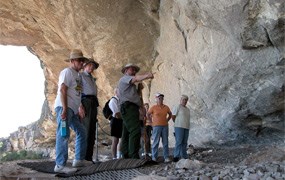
[[89, 96], [127, 103]]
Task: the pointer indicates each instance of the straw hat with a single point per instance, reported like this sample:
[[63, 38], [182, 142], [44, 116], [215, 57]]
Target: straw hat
[[76, 54]]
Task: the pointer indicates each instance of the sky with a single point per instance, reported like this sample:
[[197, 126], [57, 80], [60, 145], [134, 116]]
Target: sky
[[21, 90]]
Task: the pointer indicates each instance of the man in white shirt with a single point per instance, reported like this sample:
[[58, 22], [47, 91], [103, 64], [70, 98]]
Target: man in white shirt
[[66, 105], [181, 118]]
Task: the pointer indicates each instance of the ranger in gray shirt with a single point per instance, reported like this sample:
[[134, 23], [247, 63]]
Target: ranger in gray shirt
[[130, 103]]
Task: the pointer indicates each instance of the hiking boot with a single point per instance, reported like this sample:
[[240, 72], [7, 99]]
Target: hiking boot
[[81, 163], [166, 160], [64, 170]]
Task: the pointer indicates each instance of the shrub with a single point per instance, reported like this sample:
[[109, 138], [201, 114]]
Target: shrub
[[23, 154]]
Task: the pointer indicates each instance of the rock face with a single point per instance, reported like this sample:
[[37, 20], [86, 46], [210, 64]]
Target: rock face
[[227, 56]]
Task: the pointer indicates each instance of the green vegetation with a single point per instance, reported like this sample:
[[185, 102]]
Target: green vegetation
[[2, 147], [23, 154]]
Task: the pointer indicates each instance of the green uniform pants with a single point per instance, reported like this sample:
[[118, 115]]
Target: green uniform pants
[[131, 130]]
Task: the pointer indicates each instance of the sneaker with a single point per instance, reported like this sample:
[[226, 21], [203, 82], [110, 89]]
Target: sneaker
[[63, 169], [154, 159], [81, 163], [119, 155], [166, 160], [175, 159]]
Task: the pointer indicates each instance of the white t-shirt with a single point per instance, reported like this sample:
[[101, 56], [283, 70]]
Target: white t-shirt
[[182, 114], [114, 105], [72, 80]]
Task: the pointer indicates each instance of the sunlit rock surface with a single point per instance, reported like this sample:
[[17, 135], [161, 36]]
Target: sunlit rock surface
[[227, 56]]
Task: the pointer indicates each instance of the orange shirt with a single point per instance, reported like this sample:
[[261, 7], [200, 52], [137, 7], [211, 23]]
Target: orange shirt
[[159, 115]]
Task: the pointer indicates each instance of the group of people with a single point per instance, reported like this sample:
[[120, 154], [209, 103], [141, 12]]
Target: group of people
[[76, 107], [133, 123], [155, 119]]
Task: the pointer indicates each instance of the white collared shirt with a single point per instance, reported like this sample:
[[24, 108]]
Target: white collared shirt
[[114, 105]]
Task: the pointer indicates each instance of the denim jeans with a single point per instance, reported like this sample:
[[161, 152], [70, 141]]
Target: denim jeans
[[181, 138], [157, 132], [61, 146]]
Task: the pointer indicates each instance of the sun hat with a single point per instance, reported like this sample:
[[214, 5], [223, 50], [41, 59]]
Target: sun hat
[[90, 60], [130, 65], [76, 54], [159, 94], [183, 96]]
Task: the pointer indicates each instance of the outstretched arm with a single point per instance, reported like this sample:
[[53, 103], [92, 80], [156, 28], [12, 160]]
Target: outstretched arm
[[139, 78]]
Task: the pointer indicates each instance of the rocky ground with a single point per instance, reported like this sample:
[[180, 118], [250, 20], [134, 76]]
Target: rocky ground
[[227, 162], [243, 162]]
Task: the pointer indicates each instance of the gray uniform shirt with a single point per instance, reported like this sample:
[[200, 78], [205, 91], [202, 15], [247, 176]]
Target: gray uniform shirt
[[128, 91], [89, 84]]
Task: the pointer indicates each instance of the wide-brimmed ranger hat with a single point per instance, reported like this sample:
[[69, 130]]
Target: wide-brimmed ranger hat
[[90, 60], [128, 66], [76, 54]]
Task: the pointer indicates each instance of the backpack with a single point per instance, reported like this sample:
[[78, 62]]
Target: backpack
[[107, 112]]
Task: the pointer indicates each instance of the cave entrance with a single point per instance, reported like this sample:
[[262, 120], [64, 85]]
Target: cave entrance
[[22, 88]]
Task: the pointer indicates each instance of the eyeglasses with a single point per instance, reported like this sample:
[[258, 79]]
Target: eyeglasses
[[80, 60]]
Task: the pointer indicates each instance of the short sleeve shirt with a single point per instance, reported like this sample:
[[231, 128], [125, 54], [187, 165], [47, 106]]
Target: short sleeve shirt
[[128, 91], [72, 80], [114, 105], [182, 114], [159, 115], [89, 84]]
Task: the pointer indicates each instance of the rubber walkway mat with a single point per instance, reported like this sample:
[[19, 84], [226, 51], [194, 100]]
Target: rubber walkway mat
[[44, 166], [126, 174], [118, 164]]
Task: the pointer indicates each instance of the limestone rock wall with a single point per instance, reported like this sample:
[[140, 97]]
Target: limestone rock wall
[[226, 55]]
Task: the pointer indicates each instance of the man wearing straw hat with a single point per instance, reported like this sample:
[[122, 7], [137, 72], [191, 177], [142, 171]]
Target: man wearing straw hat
[[66, 105], [130, 102]]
